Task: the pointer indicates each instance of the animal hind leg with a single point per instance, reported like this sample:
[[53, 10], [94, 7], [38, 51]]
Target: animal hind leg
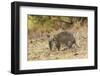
[[69, 44]]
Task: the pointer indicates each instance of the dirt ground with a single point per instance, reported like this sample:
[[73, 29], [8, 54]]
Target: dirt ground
[[38, 49]]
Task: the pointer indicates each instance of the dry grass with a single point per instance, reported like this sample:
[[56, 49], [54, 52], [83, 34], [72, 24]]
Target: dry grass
[[38, 49]]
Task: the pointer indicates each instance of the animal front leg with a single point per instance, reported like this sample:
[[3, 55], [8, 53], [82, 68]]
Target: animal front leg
[[50, 45], [58, 46]]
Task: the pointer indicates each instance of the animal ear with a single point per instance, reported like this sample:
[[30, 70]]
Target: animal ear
[[48, 36]]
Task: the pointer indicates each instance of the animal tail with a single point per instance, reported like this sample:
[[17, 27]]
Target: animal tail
[[75, 35], [76, 44]]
